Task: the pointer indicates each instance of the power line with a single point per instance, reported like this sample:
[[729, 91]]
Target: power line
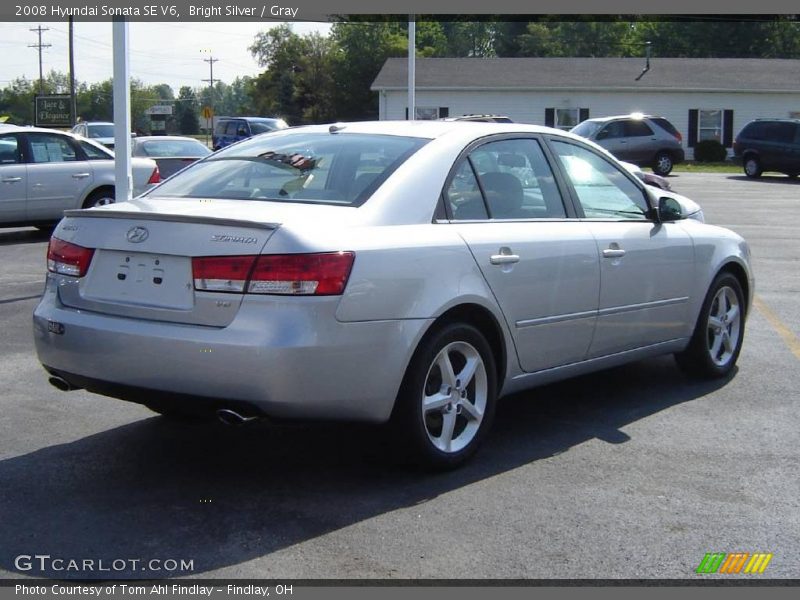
[[210, 60], [39, 47]]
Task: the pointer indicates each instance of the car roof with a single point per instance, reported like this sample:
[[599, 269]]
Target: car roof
[[166, 138], [249, 118], [21, 128], [95, 123], [628, 116], [430, 129]]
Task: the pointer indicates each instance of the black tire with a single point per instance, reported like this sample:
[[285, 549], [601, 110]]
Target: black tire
[[663, 163], [752, 167], [467, 407], [99, 198], [708, 356]]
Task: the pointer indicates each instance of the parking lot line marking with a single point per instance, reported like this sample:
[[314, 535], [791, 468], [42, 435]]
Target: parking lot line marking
[[789, 338]]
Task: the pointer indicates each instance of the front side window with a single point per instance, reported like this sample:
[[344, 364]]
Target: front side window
[[709, 125], [47, 147], [506, 179], [614, 130], [603, 191], [340, 169]]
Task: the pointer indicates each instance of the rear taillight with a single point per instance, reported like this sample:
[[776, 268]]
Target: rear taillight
[[155, 176], [222, 273], [68, 259], [321, 274], [678, 136]]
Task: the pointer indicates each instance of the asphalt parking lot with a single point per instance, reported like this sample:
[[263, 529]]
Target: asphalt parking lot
[[635, 472]]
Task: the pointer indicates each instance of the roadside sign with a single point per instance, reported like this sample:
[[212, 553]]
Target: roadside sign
[[208, 112], [159, 109], [52, 111]]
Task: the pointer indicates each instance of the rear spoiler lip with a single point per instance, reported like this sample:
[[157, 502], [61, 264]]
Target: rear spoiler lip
[[176, 218]]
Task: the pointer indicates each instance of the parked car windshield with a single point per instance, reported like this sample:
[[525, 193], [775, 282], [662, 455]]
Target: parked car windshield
[[586, 129], [327, 168], [100, 131]]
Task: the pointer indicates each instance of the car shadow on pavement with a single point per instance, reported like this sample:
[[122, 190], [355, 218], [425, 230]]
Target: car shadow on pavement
[[768, 178], [24, 236], [222, 496]]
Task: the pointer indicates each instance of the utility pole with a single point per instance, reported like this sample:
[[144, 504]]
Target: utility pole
[[39, 46], [210, 60], [73, 99]]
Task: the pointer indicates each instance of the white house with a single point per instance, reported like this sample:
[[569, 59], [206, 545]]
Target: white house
[[703, 97]]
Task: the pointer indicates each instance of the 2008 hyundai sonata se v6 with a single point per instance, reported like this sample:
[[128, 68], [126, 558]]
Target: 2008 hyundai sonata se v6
[[409, 272]]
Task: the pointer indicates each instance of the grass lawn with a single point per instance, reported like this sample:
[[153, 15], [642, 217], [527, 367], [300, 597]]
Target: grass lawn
[[715, 167]]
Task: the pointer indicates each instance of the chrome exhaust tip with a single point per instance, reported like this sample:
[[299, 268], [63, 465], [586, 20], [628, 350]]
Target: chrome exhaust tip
[[61, 384], [231, 417]]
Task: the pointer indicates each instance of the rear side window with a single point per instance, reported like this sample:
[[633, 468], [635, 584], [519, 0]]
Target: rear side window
[[339, 169], [666, 125], [220, 128], [510, 178], [636, 128], [92, 152]]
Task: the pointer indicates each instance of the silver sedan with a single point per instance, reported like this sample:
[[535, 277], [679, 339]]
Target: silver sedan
[[410, 272]]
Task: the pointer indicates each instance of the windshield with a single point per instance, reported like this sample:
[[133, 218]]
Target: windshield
[[586, 129], [101, 131], [293, 166]]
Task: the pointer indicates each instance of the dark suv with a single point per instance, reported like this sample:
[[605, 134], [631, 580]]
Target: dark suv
[[769, 145], [640, 139], [229, 130]]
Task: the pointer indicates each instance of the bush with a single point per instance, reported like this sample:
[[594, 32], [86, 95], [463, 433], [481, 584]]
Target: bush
[[710, 151]]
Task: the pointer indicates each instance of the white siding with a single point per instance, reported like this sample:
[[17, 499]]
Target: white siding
[[529, 106]]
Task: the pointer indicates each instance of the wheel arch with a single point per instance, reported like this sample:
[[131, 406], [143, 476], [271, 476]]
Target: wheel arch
[[738, 271], [100, 188], [484, 321]]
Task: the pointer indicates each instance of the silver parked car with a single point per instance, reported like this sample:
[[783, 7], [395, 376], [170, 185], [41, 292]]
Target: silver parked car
[[171, 152], [644, 140], [410, 272], [44, 172]]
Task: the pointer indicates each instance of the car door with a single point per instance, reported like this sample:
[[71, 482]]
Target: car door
[[612, 138], [13, 180], [58, 175], [541, 266], [641, 141], [646, 267]]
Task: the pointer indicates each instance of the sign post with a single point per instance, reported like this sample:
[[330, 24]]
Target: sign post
[[208, 115]]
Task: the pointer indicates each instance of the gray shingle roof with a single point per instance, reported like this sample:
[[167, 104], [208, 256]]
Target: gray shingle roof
[[684, 74]]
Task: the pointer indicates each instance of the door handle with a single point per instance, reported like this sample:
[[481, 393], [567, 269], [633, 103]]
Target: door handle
[[613, 252], [80, 175], [11, 179], [504, 258]]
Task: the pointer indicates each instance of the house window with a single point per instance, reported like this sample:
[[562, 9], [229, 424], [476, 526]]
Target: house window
[[430, 113], [709, 126], [566, 118]]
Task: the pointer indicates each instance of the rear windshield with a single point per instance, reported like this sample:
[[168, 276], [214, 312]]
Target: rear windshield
[[101, 131], [292, 166], [180, 148], [586, 129]]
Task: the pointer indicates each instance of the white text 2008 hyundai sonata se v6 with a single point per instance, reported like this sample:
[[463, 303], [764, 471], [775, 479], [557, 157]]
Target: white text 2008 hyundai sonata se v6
[[409, 272]]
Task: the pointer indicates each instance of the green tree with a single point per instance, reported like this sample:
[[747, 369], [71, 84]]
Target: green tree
[[186, 108]]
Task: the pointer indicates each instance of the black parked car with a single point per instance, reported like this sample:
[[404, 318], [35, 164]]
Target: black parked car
[[769, 145]]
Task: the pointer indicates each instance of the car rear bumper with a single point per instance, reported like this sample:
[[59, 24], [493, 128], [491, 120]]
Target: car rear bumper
[[285, 358]]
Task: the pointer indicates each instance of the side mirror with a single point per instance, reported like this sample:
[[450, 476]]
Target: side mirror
[[669, 209]]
